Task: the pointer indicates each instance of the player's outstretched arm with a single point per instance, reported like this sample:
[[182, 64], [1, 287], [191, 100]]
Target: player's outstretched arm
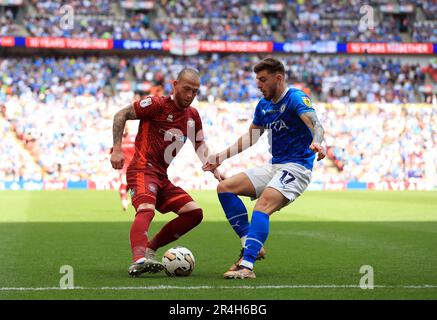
[[313, 123], [120, 118], [245, 141], [203, 153]]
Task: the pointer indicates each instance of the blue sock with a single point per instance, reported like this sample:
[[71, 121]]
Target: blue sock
[[236, 212], [258, 233]]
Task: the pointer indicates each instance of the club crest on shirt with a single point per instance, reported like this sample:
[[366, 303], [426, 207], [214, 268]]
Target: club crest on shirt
[[170, 118], [146, 102], [190, 123], [307, 101], [152, 187], [283, 107]]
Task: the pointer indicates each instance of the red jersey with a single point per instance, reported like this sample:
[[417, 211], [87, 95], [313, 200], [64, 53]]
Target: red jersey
[[128, 148], [162, 132]]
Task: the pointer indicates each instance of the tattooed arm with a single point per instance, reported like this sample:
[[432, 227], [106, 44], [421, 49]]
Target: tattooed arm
[[313, 123], [120, 118]]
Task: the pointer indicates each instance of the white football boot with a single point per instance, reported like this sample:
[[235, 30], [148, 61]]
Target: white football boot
[[147, 264]]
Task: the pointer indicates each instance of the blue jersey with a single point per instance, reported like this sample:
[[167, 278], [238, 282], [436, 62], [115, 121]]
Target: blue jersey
[[290, 137]]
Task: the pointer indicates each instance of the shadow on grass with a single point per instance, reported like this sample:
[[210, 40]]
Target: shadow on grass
[[307, 253]]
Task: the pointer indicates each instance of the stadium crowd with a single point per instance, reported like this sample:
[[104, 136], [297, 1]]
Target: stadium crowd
[[429, 8], [16, 164], [61, 110], [83, 7], [55, 105], [224, 77], [230, 77], [56, 112], [425, 31], [92, 19], [222, 20], [376, 142], [212, 20], [8, 25], [315, 9], [308, 30], [91, 27]]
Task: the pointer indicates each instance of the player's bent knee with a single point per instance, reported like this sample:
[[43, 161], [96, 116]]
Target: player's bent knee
[[190, 206], [223, 186], [198, 215], [228, 186], [145, 206], [195, 215]]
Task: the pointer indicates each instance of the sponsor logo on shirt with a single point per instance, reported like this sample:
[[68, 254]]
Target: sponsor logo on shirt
[[146, 102], [190, 122], [307, 101], [277, 125], [269, 111], [152, 187]]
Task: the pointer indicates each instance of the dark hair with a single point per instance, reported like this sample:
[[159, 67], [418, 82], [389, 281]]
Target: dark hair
[[271, 65]]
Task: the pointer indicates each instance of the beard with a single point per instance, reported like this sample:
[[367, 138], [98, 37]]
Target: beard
[[181, 103], [268, 95]]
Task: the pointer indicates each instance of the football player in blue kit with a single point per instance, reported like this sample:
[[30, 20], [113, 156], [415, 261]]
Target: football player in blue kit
[[295, 137]]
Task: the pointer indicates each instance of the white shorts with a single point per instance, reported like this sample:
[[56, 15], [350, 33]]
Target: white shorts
[[290, 179]]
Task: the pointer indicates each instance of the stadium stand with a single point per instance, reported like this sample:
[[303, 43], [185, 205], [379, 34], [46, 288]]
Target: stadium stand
[[222, 20], [17, 163], [90, 21], [212, 20], [379, 112]]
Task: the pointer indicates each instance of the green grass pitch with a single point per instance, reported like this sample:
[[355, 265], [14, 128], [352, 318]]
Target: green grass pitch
[[315, 249]]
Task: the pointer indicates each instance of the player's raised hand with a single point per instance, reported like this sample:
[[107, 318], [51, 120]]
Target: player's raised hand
[[317, 148], [117, 159], [212, 163]]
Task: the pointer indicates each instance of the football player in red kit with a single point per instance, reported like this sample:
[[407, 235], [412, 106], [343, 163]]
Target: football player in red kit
[[128, 148], [165, 124]]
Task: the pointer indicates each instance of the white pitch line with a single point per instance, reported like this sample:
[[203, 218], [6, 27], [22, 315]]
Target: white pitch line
[[162, 287]]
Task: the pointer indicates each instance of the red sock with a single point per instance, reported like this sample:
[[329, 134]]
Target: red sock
[[176, 228], [138, 233]]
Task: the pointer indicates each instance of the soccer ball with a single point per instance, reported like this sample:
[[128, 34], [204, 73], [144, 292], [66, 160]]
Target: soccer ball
[[178, 261]]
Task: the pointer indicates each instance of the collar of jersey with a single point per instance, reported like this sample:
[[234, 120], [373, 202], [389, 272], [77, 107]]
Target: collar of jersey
[[174, 106], [281, 98]]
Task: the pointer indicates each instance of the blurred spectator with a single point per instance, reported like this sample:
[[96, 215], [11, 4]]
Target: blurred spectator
[[16, 164], [429, 8], [230, 77], [211, 20], [380, 142], [425, 31], [8, 26], [86, 7], [336, 21], [61, 110], [231, 20]]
